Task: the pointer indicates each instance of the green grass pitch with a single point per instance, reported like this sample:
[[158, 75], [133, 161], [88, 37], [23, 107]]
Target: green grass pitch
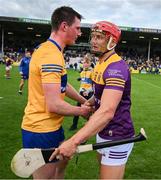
[[145, 160]]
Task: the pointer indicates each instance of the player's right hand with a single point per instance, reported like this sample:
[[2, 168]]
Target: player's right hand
[[65, 151], [86, 111]]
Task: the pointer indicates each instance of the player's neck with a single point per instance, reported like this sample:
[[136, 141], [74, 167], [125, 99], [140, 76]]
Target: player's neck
[[106, 56], [57, 39]]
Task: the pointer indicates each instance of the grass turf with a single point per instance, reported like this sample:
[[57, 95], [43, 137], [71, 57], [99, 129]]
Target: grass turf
[[144, 162]]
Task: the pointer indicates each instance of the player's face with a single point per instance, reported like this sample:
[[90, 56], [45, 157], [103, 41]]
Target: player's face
[[98, 42], [28, 54], [73, 32]]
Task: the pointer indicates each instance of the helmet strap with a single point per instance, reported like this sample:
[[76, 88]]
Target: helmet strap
[[109, 44]]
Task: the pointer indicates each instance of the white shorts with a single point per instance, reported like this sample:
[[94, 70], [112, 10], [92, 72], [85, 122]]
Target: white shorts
[[8, 68], [116, 155]]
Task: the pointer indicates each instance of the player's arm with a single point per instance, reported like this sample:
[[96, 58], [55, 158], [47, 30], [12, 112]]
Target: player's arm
[[111, 97], [56, 104], [20, 66], [95, 124], [101, 117], [73, 94]]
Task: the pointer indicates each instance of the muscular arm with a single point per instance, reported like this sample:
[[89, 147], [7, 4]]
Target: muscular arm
[[109, 102], [56, 104], [73, 94]]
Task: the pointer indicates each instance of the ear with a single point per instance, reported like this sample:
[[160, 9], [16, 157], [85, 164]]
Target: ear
[[64, 26]]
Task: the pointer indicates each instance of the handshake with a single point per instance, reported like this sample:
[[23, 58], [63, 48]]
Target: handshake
[[87, 109]]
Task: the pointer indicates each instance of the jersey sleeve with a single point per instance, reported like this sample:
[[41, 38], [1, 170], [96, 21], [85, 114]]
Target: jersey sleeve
[[115, 76], [51, 69]]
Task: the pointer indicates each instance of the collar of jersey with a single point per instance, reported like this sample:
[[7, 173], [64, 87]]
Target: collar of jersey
[[55, 43], [109, 56]]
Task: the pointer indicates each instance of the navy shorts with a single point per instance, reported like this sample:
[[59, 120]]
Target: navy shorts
[[24, 76], [42, 140]]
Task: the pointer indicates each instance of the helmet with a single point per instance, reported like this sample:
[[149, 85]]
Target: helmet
[[108, 28]]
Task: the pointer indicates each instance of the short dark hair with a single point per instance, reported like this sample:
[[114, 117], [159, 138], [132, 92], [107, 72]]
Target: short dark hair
[[64, 13]]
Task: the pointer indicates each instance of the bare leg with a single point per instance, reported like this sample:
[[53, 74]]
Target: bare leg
[[60, 170], [22, 82], [112, 172], [45, 172], [8, 74]]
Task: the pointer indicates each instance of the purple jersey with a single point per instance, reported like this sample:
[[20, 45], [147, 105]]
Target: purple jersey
[[113, 73]]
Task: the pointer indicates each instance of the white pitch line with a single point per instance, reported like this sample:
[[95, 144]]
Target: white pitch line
[[148, 83], [1, 97]]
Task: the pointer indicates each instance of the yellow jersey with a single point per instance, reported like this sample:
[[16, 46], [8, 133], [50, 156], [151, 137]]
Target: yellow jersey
[[47, 65], [86, 80]]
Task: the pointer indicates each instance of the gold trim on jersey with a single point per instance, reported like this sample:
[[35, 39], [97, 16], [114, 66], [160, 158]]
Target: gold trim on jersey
[[115, 79], [115, 82], [110, 84], [100, 68]]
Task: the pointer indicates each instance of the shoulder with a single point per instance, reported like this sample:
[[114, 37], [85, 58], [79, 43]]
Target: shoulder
[[117, 69], [23, 59], [48, 53], [121, 65]]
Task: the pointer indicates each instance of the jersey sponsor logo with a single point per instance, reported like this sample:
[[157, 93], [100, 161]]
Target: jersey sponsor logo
[[115, 72]]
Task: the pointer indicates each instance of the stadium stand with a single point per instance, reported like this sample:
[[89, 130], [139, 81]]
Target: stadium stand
[[140, 47]]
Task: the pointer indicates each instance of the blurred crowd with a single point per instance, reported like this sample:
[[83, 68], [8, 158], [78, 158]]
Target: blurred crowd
[[73, 59]]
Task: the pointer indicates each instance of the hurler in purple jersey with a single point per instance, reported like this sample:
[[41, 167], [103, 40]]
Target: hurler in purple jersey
[[111, 119]]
